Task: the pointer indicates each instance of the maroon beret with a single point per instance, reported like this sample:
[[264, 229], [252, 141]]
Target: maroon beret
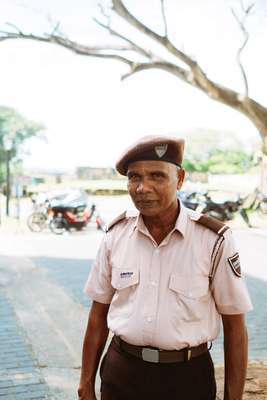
[[160, 148]]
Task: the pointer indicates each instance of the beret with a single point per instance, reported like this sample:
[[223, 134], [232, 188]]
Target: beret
[[160, 148]]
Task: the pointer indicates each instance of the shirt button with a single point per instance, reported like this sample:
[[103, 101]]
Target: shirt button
[[157, 251], [149, 319], [153, 283]]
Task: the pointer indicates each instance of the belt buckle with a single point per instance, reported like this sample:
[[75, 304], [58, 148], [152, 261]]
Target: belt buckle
[[150, 355]]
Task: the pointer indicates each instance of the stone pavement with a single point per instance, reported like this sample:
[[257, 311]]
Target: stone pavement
[[48, 326], [53, 325], [20, 375]]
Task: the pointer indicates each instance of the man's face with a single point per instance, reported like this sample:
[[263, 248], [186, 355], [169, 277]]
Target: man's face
[[153, 185]]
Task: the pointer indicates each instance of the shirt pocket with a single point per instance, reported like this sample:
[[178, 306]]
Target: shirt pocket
[[191, 295], [125, 282], [123, 278]]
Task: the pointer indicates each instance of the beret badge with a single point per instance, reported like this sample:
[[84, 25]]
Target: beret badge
[[161, 149]]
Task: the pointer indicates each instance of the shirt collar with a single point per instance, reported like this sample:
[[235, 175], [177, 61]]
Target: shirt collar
[[182, 219], [139, 224]]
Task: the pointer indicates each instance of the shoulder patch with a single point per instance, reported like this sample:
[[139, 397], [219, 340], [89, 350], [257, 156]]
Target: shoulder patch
[[213, 224], [234, 262], [116, 220]]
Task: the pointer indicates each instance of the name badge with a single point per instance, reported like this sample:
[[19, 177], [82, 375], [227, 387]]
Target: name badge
[[124, 275]]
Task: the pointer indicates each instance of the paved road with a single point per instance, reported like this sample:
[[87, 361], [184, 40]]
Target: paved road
[[41, 281]]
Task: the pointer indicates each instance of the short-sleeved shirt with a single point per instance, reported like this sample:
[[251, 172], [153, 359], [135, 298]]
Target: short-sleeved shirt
[[162, 295]]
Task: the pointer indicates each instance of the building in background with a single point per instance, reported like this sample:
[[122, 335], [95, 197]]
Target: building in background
[[88, 173]]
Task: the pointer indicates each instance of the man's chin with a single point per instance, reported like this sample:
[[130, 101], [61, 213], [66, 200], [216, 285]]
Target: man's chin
[[148, 211]]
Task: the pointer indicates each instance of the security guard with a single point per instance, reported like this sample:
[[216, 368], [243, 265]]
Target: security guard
[[163, 280]]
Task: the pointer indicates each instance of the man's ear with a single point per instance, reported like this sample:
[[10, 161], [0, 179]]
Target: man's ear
[[181, 175]]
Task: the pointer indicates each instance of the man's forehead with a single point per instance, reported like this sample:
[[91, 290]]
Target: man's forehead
[[150, 165]]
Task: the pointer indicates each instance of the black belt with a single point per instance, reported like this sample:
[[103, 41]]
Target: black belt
[[152, 354]]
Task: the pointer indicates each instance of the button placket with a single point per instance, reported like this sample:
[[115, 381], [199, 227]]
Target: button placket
[[152, 299]]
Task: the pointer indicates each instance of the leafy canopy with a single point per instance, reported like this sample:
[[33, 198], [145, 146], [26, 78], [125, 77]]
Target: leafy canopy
[[18, 129], [218, 153]]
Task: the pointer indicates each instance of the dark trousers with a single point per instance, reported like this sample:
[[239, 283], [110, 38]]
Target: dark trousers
[[125, 377]]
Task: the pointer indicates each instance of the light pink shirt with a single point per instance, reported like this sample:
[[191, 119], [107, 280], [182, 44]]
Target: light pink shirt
[[160, 295]]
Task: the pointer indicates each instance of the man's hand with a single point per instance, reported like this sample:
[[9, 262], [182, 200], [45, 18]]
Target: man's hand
[[86, 393]]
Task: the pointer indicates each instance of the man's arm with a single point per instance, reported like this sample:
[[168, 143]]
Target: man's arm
[[235, 355], [93, 346]]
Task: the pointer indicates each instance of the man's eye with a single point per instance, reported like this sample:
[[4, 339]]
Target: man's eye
[[133, 177], [158, 175]]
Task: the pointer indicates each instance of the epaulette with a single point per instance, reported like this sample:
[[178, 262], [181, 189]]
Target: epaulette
[[116, 220], [213, 224], [121, 217]]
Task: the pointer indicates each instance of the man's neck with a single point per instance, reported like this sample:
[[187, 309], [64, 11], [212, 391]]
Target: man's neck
[[160, 226]]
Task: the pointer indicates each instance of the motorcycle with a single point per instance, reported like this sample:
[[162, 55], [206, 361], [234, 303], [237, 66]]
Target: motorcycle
[[39, 219], [223, 211], [73, 216]]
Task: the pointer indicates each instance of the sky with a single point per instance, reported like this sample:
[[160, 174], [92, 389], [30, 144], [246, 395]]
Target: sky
[[91, 115]]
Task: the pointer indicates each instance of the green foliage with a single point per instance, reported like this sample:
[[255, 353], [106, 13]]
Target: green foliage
[[18, 129], [217, 153]]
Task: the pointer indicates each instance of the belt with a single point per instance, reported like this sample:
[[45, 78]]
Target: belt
[[152, 354]]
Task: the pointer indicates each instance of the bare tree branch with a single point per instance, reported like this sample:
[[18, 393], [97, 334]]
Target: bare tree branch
[[164, 18], [197, 72], [144, 59], [70, 45], [55, 29], [121, 10], [213, 90], [104, 13], [55, 25], [246, 10], [240, 50], [241, 23], [14, 27], [133, 45], [166, 66]]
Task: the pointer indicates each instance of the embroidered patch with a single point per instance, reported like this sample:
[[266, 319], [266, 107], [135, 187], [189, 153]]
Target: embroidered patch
[[126, 274], [161, 150], [234, 262]]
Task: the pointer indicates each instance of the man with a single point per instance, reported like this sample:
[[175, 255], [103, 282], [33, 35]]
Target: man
[[162, 281]]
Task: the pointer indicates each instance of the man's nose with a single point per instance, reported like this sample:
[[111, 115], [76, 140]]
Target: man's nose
[[139, 188], [142, 187]]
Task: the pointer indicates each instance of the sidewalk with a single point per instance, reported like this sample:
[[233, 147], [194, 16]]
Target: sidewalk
[[20, 375], [42, 330]]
